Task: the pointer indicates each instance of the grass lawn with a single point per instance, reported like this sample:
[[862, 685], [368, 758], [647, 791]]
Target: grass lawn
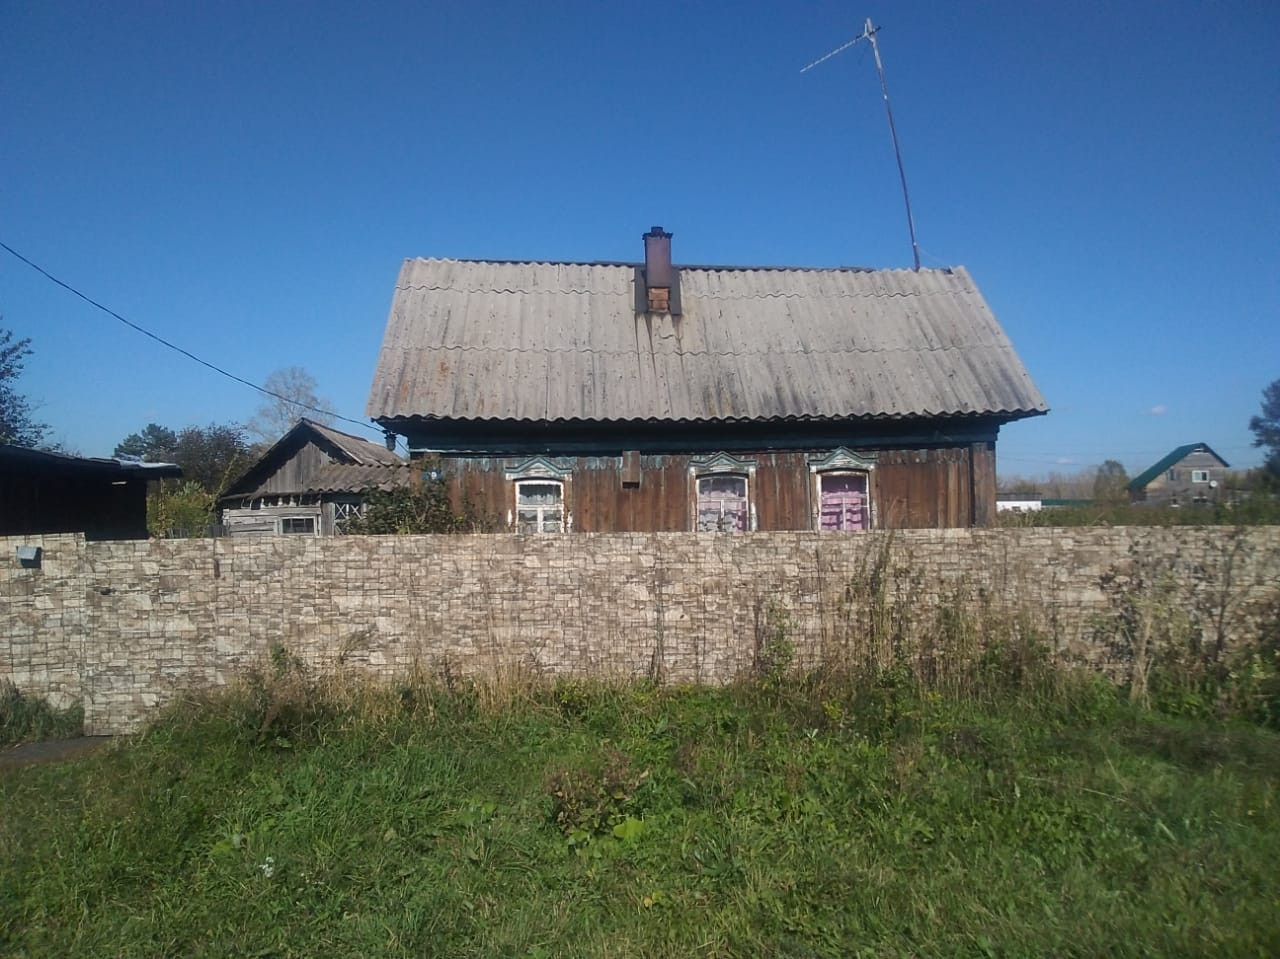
[[764, 819]]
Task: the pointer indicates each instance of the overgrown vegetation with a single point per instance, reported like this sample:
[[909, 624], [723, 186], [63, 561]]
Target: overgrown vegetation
[[1258, 509], [211, 458], [423, 507], [27, 719], [855, 810]]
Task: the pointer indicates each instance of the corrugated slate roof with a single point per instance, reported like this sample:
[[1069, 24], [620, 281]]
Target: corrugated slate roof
[[361, 451], [1147, 475], [350, 478], [478, 340]]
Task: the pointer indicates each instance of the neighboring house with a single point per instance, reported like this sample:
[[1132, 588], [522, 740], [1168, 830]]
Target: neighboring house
[[308, 482], [647, 397], [1190, 475], [43, 492]]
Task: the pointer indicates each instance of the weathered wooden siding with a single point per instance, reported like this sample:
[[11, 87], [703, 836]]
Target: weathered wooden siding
[[265, 521], [911, 489], [295, 472]]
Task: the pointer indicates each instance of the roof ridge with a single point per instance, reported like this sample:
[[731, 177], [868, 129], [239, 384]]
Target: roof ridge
[[686, 294], [699, 267], [687, 352]]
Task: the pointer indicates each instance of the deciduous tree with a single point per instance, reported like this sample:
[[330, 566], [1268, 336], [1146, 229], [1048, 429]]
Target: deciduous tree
[[16, 423], [1266, 431], [297, 397], [1110, 483], [210, 456]]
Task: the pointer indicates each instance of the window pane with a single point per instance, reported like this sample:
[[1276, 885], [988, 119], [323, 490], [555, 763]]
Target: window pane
[[722, 504], [538, 494], [843, 504], [722, 485]]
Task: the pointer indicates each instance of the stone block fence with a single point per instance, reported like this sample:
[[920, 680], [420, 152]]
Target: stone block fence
[[125, 626]]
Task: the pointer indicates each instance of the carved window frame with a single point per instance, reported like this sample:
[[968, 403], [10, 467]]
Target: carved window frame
[[844, 462], [539, 471], [722, 466]]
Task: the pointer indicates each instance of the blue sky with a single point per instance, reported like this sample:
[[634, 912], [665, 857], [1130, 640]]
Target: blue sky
[[245, 180]]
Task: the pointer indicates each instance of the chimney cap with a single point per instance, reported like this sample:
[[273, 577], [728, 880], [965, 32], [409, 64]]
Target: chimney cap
[[659, 231]]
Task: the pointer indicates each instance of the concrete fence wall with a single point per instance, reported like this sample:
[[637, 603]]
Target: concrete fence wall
[[124, 626]]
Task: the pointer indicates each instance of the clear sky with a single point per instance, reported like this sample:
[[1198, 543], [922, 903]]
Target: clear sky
[[246, 178]]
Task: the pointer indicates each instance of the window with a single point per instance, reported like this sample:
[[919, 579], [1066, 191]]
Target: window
[[1173, 476], [722, 504], [843, 503], [1199, 476], [298, 524], [539, 506]]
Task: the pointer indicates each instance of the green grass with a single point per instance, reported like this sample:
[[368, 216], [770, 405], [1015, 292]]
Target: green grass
[[832, 818], [27, 719], [1261, 509]]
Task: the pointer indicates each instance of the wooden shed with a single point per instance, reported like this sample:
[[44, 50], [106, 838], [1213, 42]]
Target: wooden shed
[[312, 479], [650, 396], [44, 492]]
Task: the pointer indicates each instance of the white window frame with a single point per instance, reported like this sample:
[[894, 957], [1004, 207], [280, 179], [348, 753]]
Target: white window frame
[[1199, 476], [843, 461], [865, 476], [562, 519], [540, 470], [748, 511], [723, 466]]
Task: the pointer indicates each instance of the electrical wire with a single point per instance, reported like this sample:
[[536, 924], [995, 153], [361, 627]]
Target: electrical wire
[[187, 353]]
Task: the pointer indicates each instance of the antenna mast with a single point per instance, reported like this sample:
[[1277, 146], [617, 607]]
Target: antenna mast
[[869, 32]]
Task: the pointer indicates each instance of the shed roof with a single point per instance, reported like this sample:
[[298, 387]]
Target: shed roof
[[550, 342], [20, 459], [1182, 452]]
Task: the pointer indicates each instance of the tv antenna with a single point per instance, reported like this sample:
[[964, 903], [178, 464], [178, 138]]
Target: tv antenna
[[869, 32]]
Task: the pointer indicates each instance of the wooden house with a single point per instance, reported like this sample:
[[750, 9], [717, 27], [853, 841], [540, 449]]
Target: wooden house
[[1191, 475], [43, 492], [650, 396], [312, 479]]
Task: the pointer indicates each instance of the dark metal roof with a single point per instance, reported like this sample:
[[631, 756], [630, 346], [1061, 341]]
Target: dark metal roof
[[1146, 476], [21, 459], [551, 342]]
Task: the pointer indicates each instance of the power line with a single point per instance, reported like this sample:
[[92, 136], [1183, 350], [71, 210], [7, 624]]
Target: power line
[[187, 353]]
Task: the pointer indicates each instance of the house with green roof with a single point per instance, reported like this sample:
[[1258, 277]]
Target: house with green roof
[[1191, 475]]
